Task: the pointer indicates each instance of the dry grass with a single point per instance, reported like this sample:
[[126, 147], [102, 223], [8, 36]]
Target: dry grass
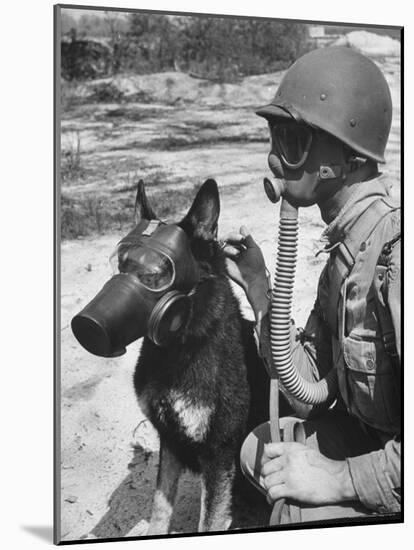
[[89, 215], [71, 162]]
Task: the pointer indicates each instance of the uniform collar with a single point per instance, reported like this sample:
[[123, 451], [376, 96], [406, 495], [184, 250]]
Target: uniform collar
[[363, 195]]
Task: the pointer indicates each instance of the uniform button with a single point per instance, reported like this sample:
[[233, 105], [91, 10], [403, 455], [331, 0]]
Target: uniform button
[[363, 246], [370, 364]]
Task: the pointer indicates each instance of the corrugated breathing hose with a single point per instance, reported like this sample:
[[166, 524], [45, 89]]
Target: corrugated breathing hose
[[280, 330], [280, 316]]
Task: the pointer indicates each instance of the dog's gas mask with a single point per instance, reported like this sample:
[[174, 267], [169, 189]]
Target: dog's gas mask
[[149, 295]]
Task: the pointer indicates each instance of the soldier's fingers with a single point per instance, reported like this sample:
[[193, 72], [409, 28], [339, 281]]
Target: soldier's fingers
[[248, 239], [273, 465], [278, 491], [272, 450], [273, 479], [235, 237], [231, 251]]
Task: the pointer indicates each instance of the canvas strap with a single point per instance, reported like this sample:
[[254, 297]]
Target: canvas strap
[[285, 511]]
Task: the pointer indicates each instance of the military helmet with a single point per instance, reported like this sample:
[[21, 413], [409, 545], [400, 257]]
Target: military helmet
[[341, 92]]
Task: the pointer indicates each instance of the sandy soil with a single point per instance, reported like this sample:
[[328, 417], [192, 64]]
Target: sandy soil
[[109, 452]]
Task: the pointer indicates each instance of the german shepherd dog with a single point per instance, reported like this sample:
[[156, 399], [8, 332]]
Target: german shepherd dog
[[208, 389]]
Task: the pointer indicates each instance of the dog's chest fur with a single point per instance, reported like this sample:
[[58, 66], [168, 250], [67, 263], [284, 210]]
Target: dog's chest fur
[[177, 409]]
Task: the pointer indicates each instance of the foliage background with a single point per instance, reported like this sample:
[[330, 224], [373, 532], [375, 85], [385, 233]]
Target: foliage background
[[213, 47]]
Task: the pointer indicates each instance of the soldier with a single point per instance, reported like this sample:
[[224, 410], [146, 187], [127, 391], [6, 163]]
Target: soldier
[[329, 124]]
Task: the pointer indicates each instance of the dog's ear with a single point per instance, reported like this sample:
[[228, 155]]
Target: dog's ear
[[143, 208], [201, 220]]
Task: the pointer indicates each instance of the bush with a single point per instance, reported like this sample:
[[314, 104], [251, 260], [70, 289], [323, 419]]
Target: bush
[[106, 92], [218, 48]]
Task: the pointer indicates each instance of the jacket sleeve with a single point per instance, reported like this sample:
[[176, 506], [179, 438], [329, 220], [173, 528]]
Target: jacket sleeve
[[377, 476], [393, 297]]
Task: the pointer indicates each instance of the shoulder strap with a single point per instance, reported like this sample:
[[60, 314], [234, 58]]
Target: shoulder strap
[[342, 260], [363, 228], [384, 317]]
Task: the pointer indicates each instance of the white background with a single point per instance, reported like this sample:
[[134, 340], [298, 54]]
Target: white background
[[26, 307]]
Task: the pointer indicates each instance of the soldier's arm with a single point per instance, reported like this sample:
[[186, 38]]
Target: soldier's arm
[[377, 476], [393, 296]]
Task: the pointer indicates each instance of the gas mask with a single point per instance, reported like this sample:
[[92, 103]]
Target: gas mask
[[291, 142], [149, 295]]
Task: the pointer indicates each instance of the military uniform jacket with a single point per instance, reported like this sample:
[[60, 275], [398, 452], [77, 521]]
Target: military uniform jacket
[[355, 327]]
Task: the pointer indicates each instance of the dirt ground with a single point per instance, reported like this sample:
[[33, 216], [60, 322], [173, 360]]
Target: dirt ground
[[109, 452]]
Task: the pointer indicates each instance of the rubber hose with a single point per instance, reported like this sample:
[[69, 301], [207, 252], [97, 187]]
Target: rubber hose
[[280, 316]]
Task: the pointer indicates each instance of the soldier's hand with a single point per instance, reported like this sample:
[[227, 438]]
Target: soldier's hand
[[246, 266], [294, 471], [244, 259]]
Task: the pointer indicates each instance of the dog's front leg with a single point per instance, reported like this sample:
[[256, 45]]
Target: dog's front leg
[[217, 480], [169, 470]]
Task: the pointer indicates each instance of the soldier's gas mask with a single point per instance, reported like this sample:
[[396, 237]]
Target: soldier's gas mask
[[291, 144]]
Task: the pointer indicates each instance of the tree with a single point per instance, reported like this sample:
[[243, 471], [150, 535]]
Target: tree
[[219, 48]]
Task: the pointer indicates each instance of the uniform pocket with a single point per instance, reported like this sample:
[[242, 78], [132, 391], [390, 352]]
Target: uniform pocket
[[372, 381]]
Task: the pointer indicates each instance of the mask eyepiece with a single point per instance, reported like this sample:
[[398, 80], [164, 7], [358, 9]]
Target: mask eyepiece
[[153, 268], [292, 141]]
